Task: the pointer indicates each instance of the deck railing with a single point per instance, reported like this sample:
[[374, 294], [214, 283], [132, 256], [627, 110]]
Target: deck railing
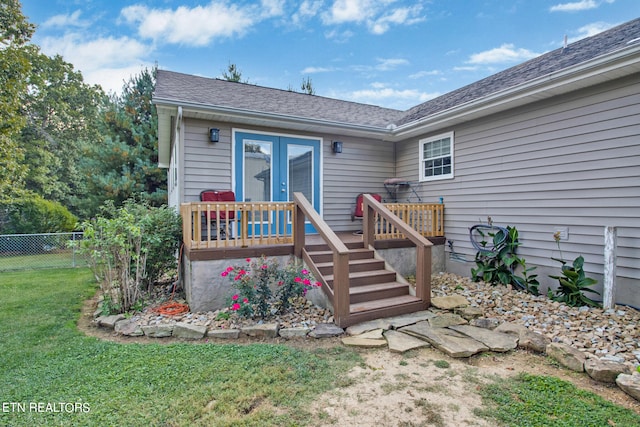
[[426, 219], [246, 224], [236, 224], [375, 211]]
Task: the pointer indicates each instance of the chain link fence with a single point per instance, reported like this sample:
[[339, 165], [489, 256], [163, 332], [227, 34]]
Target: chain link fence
[[47, 250]]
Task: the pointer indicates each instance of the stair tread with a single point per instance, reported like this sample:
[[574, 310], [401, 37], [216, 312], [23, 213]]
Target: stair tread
[[352, 261], [361, 274], [383, 303], [325, 252], [377, 286]]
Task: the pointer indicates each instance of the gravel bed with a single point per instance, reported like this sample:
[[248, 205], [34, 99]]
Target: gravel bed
[[610, 334]]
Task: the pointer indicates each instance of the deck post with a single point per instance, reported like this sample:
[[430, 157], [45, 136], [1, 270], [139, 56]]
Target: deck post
[[298, 231], [610, 247], [368, 224], [423, 274], [341, 303]]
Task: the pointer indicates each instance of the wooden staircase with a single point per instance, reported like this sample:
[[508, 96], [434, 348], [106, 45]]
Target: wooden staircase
[[375, 289]]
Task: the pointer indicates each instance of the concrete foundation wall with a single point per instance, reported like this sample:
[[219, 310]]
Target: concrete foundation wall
[[403, 260], [206, 289]]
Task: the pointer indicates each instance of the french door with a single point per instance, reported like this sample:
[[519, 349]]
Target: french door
[[270, 168]]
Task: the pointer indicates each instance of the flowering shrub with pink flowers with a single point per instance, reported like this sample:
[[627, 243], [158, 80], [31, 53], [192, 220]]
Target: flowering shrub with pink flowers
[[263, 287]]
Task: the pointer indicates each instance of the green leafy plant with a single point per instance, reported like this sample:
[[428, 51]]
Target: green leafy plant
[[573, 282], [123, 244], [265, 288], [498, 263]]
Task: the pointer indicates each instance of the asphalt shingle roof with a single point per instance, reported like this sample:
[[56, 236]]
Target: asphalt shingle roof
[[243, 96], [178, 87], [556, 60]]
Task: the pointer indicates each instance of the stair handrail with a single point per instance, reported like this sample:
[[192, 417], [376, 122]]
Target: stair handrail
[[340, 293], [423, 246]]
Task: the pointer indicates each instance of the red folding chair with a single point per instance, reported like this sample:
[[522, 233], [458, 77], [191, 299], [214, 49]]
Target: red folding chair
[[220, 196], [358, 211]]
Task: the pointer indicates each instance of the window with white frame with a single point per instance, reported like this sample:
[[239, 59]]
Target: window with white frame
[[436, 157]]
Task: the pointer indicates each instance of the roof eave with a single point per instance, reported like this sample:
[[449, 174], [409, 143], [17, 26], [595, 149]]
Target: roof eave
[[615, 65]]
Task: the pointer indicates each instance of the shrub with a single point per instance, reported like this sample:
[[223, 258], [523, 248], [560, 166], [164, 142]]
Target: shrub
[[129, 248], [32, 214], [573, 282], [254, 286], [499, 263]]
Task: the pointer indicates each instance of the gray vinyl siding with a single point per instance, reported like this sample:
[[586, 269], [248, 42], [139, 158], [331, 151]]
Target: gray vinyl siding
[[207, 165], [571, 161], [361, 167]]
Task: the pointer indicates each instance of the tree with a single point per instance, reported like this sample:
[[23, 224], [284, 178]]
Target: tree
[[62, 115], [15, 33], [125, 164], [233, 74], [307, 86]]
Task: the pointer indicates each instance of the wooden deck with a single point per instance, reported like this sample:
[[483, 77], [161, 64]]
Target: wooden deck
[[357, 290]]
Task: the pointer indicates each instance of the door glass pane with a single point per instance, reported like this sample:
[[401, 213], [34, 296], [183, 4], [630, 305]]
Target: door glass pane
[[300, 165], [257, 171]]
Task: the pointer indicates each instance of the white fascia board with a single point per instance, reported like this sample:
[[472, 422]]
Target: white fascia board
[[236, 115]]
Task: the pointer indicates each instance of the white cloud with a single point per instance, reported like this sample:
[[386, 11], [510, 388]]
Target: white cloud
[[105, 61], [401, 16], [349, 11], [591, 30], [376, 14], [380, 94], [316, 70], [390, 63], [574, 6], [308, 9], [197, 26], [502, 54], [62, 21], [424, 73]]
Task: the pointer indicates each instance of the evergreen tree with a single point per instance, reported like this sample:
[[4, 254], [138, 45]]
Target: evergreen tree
[[125, 164]]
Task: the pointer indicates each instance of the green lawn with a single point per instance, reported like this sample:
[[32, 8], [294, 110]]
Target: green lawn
[[533, 400], [46, 360], [58, 259]]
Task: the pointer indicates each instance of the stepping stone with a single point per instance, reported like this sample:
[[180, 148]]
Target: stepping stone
[[266, 330], [158, 331], [224, 334], [444, 320], [630, 384], [567, 356], [129, 328], [376, 334], [363, 342], [326, 330], [469, 313], [109, 321], [604, 370], [527, 339], [446, 340], [294, 332], [496, 341], [400, 342], [449, 302], [189, 331], [388, 323]]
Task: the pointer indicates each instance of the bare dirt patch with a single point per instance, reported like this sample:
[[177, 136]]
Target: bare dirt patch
[[427, 388]]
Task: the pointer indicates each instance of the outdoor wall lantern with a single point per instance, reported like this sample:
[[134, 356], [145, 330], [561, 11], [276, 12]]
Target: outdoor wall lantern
[[214, 135], [337, 147]]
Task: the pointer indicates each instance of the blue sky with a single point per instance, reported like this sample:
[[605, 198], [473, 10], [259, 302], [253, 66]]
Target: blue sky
[[391, 53]]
